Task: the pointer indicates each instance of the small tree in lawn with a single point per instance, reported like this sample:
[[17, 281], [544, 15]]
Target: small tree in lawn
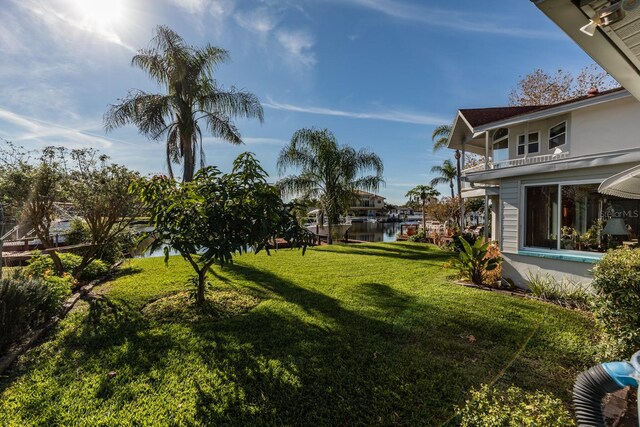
[[217, 215]]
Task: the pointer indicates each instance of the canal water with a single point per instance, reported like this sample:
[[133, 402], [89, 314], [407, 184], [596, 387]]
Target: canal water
[[374, 231]]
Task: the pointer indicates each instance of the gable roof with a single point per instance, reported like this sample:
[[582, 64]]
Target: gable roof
[[481, 116]]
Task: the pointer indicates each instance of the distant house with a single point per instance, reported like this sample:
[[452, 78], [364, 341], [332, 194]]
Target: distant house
[[541, 175], [367, 205]]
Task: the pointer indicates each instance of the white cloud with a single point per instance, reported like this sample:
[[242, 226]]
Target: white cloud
[[451, 18], [387, 115], [194, 7], [297, 45], [47, 133], [220, 9], [248, 140], [264, 141], [259, 21]]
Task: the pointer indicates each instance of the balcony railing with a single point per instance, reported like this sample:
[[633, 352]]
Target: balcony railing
[[520, 161]]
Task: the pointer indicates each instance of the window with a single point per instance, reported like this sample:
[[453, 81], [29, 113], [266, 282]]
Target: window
[[577, 217], [558, 135], [531, 146], [541, 217], [501, 145]]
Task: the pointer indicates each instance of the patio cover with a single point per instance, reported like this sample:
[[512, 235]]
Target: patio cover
[[624, 184]]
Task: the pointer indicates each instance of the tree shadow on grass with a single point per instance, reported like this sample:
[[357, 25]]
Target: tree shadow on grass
[[418, 253], [396, 360], [382, 356]]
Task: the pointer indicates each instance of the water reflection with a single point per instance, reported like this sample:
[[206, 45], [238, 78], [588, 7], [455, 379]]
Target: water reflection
[[374, 232]]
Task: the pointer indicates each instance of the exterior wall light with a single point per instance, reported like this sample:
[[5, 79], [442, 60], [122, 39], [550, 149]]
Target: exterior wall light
[[608, 15]]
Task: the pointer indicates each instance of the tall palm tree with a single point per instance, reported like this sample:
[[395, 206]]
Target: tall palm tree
[[440, 137], [193, 100], [328, 172], [422, 193], [448, 173]]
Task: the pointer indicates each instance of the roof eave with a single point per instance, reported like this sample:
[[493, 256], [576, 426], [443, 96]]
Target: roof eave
[[600, 47]]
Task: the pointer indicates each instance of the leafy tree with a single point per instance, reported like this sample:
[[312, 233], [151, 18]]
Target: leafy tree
[[447, 175], [422, 193], [328, 172], [14, 185], [100, 195], [192, 100], [46, 189], [542, 88], [440, 137], [216, 215]]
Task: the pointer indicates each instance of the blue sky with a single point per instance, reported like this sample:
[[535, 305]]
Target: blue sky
[[379, 73]]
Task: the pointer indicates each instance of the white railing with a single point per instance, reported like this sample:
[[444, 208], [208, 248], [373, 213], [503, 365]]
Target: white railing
[[520, 161]]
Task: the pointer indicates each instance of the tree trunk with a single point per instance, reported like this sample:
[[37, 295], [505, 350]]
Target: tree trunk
[[453, 195], [57, 262], [189, 161], [329, 237], [202, 280], [424, 217]]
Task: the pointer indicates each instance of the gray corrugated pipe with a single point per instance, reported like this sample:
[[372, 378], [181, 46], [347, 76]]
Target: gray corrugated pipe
[[594, 384]]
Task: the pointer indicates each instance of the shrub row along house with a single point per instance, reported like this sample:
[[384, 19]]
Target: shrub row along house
[[543, 166]]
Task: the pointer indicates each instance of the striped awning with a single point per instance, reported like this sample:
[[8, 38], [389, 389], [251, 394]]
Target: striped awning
[[624, 184]]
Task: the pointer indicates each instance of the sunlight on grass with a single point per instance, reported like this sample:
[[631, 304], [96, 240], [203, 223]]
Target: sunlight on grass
[[361, 334]]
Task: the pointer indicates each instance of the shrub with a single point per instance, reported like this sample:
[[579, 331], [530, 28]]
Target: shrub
[[473, 262], [420, 236], [566, 292], [468, 237], [42, 266], [513, 407], [492, 277], [78, 232], [616, 281], [119, 248], [27, 302]]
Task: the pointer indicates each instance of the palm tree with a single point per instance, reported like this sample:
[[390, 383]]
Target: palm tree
[[423, 193], [193, 100], [440, 137], [448, 173], [328, 172]]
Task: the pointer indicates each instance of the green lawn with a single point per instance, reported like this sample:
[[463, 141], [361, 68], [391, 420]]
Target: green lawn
[[371, 334]]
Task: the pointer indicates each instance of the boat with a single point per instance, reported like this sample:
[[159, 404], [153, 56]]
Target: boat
[[338, 231]]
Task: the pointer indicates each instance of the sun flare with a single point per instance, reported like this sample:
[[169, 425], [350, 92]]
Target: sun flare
[[100, 13]]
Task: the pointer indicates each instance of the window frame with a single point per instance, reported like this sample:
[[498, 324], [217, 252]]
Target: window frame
[[566, 135], [527, 143], [499, 140], [558, 231]]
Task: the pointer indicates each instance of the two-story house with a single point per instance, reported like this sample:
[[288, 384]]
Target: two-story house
[[367, 206], [543, 167]]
